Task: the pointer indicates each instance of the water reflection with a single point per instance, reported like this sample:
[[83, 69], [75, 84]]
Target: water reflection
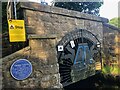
[[97, 81]]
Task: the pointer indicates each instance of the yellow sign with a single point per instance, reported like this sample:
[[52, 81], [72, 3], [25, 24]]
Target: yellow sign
[[16, 30]]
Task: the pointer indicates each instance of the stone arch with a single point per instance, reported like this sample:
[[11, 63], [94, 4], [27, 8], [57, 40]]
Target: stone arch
[[66, 54]]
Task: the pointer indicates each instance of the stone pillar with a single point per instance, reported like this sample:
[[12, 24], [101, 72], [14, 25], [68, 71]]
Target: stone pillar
[[42, 54], [44, 58]]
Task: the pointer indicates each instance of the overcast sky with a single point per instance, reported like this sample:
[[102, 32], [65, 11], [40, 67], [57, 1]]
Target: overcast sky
[[109, 9]]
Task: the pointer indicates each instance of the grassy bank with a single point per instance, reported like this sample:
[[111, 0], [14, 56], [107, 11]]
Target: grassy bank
[[112, 70]]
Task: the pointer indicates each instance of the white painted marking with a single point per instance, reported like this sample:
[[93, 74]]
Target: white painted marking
[[60, 48], [72, 44], [98, 44]]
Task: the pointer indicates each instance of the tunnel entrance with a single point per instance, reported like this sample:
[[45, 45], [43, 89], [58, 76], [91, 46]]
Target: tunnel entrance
[[78, 52]]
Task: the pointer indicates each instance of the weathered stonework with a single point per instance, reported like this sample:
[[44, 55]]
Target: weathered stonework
[[45, 72], [45, 27], [111, 47], [52, 20]]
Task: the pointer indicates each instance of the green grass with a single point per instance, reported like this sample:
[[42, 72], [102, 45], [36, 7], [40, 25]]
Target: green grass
[[114, 70]]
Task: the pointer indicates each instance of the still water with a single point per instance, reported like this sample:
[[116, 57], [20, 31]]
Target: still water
[[98, 81]]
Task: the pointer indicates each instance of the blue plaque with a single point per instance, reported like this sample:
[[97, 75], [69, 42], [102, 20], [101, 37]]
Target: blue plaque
[[21, 69]]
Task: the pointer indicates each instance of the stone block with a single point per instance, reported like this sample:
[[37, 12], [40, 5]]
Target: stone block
[[52, 57], [49, 80], [44, 50], [29, 13], [95, 28], [50, 69]]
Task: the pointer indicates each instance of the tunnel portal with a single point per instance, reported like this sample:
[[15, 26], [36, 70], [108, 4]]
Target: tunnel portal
[[78, 52]]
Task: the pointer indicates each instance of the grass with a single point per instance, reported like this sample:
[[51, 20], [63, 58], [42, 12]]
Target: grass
[[114, 70]]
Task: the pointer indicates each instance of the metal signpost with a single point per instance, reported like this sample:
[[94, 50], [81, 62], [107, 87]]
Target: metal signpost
[[15, 9], [16, 27]]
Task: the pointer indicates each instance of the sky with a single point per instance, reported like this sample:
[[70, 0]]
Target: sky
[[108, 10]]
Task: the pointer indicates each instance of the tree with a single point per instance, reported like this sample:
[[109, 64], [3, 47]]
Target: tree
[[115, 21], [86, 7], [4, 17]]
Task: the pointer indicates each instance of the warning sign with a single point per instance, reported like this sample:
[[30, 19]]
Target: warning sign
[[12, 27], [16, 30]]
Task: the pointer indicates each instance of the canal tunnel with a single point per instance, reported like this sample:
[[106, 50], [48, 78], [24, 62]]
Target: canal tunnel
[[77, 53], [51, 29]]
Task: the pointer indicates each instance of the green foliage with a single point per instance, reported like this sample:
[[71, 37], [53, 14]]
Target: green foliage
[[113, 70], [115, 21], [86, 7]]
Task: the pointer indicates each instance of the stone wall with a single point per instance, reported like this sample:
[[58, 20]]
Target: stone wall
[[111, 47], [52, 20], [42, 54], [45, 27]]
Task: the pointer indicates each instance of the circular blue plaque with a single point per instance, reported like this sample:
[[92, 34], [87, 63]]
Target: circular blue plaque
[[21, 69]]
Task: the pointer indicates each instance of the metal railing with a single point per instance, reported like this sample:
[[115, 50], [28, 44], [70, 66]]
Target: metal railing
[[11, 9]]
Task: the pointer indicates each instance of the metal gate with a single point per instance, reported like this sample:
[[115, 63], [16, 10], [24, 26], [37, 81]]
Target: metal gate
[[78, 51]]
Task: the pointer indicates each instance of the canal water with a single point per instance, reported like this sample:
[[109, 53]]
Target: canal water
[[98, 81]]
